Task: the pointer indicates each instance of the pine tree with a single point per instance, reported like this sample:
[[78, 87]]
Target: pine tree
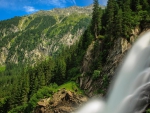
[[144, 4], [96, 19], [134, 5], [110, 18], [49, 71], [127, 19], [25, 88], [118, 23], [42, 80]]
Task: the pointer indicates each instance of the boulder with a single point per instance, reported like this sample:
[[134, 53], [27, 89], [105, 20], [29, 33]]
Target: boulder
[[62, 101]]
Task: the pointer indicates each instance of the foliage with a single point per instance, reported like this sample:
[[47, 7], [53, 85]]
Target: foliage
[[148, 111], [104, 86], [96, 19], [18, 109], [21, 36], [23, 85], [45, 92], [2, 68], [3, 105], [96, 74], [71, 86]]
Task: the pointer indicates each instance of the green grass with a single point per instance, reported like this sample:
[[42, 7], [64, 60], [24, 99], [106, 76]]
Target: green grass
[[2, 68], [71, 86]]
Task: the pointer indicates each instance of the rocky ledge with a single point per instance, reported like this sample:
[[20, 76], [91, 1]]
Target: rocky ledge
[[61, 102]]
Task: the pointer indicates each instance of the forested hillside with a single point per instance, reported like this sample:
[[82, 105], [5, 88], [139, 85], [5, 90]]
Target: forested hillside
[[24, 40], [34, 49], [78, 66], [110, 35]]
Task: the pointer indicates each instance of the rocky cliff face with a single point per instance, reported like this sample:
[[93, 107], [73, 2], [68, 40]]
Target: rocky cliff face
[[114, 59], [43, 34], [116, 55]]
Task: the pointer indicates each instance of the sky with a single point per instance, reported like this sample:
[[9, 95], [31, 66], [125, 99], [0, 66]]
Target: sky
[[11, 8]]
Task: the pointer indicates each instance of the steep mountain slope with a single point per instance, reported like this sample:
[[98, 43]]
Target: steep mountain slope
[[89, 64], [47, 39], [43, 34], [120, 25], [115, 57]]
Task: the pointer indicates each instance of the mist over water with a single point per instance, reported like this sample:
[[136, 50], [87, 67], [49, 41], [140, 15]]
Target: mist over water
[[130, 90]]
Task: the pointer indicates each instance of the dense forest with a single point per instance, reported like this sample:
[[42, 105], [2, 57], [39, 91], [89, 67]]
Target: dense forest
[[23, 86]]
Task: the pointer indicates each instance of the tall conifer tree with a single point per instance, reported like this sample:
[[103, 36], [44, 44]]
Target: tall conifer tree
[[96, 19], [110, 18]]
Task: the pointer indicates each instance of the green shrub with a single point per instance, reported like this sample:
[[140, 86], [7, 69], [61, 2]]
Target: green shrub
[[148, 111], [105, 81], [96, 74], [18, 109], [2, 68]]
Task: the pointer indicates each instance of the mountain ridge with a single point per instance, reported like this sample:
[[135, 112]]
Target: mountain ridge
[[85, 67], [66, 25]]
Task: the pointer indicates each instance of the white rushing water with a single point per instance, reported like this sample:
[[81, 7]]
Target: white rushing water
[[130, 90]]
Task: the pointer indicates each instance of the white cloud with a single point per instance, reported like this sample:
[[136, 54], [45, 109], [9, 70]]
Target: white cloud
[[30, 9], [57, 3], [13, 4], [74, 2]]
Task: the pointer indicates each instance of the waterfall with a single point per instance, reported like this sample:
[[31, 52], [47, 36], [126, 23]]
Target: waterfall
[[130, 90]]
